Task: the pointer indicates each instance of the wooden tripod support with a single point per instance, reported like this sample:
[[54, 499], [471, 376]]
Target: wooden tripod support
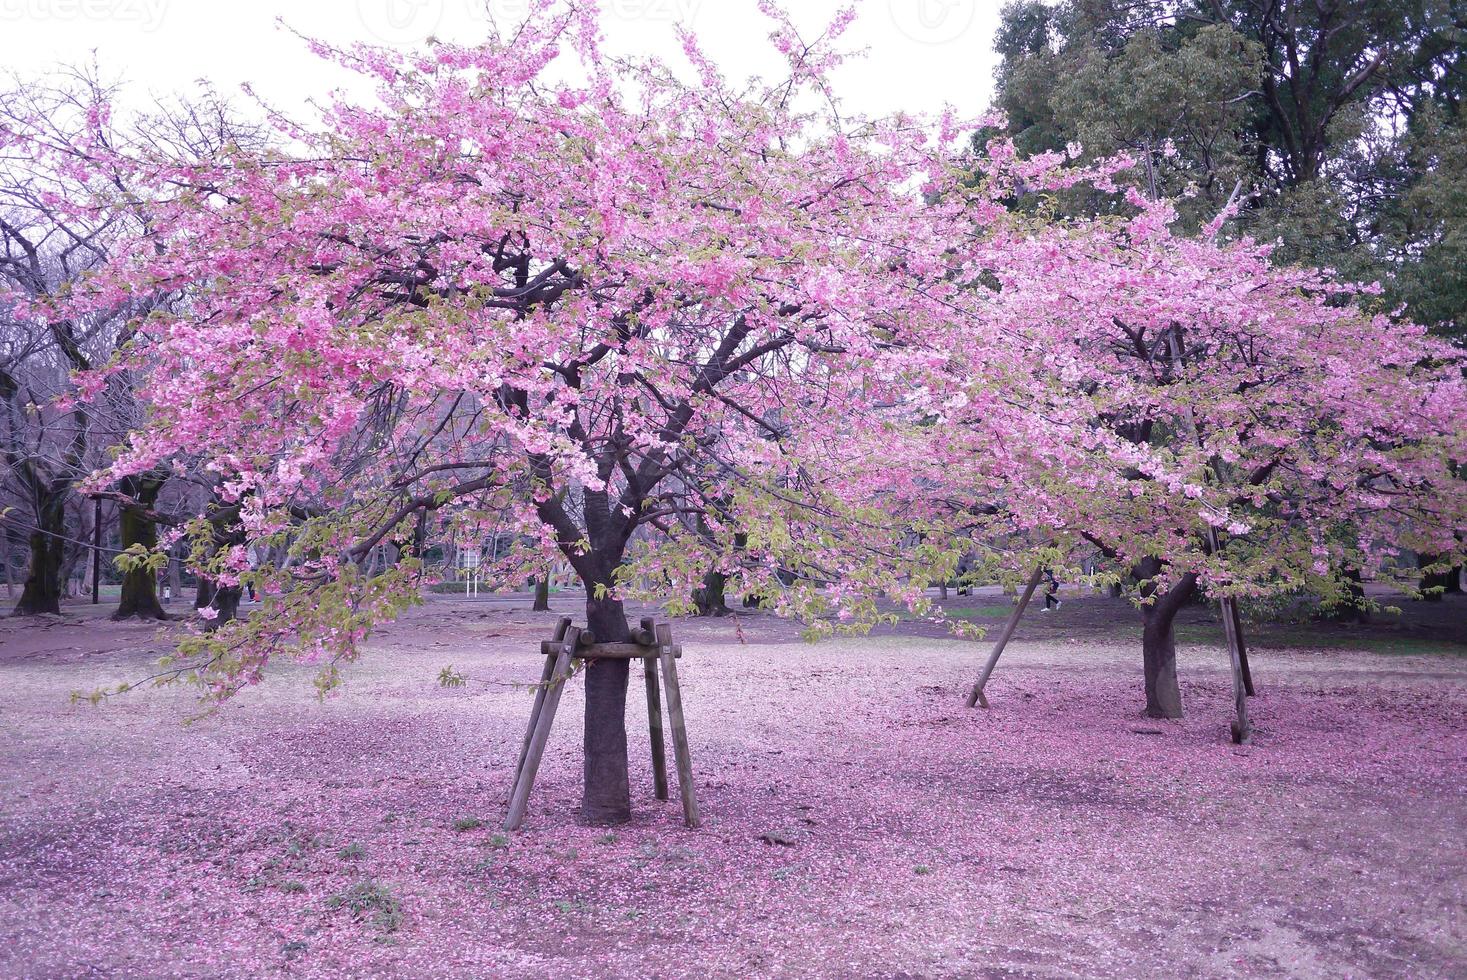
[[652, 644], [976, 696]]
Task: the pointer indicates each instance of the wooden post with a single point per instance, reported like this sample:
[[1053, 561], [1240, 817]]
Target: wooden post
[[9, 568], [680, 751], [1232, 624], [1242, 728], [654, 717], [97, 552], [520, 797], [976, 695], [1243, 651], [545, 675]]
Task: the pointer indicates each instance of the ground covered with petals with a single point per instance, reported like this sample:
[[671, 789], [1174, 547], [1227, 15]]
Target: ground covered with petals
[[859, 820]]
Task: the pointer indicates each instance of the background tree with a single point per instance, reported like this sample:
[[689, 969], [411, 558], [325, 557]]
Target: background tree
[[45, 246], [1209, 421], [63, 209], [1342, 115]]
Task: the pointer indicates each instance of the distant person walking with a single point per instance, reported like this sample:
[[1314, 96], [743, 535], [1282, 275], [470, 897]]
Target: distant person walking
[[1051, 594], [254, 561]]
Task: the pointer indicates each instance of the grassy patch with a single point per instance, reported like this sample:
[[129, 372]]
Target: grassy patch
[[369, 901], [467, 823], [1324, 638], [969, 613], [980, 612]]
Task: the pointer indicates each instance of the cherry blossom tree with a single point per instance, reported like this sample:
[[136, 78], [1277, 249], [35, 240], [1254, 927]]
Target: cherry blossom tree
[[531, 291], [1207, 420], [663, 328], [65, 203], [45, 246]]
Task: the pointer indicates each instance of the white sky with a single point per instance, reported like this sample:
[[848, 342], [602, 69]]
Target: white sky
[[922, 53]]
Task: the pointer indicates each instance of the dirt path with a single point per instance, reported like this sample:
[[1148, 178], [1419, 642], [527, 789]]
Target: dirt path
[[1058, 834]]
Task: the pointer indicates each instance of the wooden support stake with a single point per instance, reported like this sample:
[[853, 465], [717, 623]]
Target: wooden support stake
[[545, 674], [976, 696], [1243, 651], [654, 717], [1242, 727], [680, 751], [520, 798], [607, 651], [96, 552]]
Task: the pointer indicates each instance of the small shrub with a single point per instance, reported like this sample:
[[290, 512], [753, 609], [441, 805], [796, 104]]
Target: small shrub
[[448, 677], [301, 846], [370, 901], [467, 823]]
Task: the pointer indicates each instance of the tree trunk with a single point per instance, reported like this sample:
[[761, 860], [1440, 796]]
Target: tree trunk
[[226, 600], [1159, 660], [139, 585], [1353, 610], [1449, 581], [710, 598], [542, 594], [175, 576], [1159, 645], [42, 591], [606, 794]]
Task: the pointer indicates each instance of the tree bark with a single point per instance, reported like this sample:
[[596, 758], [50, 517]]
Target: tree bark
[[606, 792], [1354, 609], [1159, 646], [139, 585], [226, 600], [1159, 659], [1449, 581], [710, 599], [542, 594], [175, 575], [42, 591]]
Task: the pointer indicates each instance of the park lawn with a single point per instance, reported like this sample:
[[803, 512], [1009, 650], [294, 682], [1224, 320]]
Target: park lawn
[[858, 820]]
